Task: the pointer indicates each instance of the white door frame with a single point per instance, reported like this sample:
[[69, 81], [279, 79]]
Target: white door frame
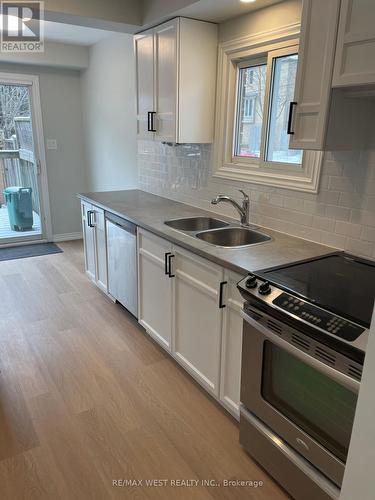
[[39, 149]]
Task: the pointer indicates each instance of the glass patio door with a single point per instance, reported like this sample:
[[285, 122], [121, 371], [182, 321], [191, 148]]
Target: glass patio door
[[21, 207]]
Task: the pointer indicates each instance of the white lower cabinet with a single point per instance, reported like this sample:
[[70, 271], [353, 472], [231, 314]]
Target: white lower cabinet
[[191, 306], [197, 317], [101, 249], [155, 287], [94, 238], [231, 345], [88, 239]]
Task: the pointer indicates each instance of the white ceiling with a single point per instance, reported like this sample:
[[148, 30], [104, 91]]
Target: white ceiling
[[207, 10], [70, 33], [220, 10]]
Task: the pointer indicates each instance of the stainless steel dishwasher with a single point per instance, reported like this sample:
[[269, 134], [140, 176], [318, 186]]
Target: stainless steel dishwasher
[[122, 261]]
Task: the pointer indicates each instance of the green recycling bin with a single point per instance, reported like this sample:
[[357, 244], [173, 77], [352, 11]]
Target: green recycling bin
[[20, 207]]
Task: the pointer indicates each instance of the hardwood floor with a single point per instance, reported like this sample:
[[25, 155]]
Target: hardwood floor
[[87, 398]]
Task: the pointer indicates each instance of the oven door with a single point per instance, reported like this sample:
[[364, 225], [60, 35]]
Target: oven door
[[309, 404]]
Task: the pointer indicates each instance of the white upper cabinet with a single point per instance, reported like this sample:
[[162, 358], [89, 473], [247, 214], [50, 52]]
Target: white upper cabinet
[[165, 37], [176, 81], [310, 110], [355, 53], [144, 49]]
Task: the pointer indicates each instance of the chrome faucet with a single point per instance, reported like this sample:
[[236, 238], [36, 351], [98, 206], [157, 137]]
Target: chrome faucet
[[242, 210]]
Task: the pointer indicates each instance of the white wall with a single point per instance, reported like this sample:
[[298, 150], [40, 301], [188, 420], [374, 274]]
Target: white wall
[[359, 474], [108, 90], [60, 91], [269, 18], [111, 14], [58, 55]]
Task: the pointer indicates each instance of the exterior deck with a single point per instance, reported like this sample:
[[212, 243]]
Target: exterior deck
[[6, 233]]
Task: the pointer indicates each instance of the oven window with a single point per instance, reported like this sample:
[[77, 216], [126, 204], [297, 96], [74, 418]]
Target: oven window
[[318, 405]]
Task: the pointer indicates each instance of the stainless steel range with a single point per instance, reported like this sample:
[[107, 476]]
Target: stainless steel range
[[305, 335]]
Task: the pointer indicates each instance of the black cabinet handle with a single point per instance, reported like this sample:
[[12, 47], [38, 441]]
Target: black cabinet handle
[[150, 121], [89, 219], [166, 270], [222, 284], [289, 130], [152, 127], [170, 257]]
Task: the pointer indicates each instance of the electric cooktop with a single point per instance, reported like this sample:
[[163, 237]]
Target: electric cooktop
[[340, 283]]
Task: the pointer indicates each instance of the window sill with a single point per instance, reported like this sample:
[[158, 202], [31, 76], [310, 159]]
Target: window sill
[[305, 178]]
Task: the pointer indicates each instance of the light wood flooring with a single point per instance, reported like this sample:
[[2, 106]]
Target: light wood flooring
[[87, 398]]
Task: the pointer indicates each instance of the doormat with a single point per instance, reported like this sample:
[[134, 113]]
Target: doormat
[[24, 251]]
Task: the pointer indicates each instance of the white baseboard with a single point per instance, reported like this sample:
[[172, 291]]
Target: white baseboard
[[67, 237]]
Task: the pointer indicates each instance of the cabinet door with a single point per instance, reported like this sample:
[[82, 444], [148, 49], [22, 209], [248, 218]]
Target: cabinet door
[[197, 318], [100, 248], [154, 288], [355, 53], [88, 230], [144, 56], [231, 346], [166, 38], [314, 73]]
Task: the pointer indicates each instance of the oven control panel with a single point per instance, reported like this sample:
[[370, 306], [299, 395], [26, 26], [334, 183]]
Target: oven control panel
[[318, 317]]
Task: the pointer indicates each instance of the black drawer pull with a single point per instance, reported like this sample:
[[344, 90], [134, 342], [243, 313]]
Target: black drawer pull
[[222, 284], [289, 130], [166, 270], [170, 257], [89, 218]]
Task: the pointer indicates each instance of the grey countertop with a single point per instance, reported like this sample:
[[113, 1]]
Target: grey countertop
[[150, 212]]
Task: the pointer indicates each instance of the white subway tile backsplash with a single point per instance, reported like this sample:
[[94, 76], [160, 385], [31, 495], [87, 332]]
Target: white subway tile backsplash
[[359, 247], [345, 184], [352, 200], [348, 229], [341, 215], [324, 223], [368, 233], [333, 240], [294, 204]]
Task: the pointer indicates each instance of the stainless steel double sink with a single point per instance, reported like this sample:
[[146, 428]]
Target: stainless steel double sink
[[218, 232]]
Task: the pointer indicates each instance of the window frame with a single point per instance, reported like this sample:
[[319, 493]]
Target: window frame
[[245, 52], [254, 62]]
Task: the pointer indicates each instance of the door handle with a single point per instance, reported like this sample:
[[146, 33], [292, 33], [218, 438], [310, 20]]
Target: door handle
[[166, 270], [221, 293], [149, 127], [289, 130], [170, 257]]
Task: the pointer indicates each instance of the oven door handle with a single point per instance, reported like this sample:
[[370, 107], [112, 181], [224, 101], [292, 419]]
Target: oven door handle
[[342, 379]]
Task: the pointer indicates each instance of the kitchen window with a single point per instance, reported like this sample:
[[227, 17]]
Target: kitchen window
[[256, 86]]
